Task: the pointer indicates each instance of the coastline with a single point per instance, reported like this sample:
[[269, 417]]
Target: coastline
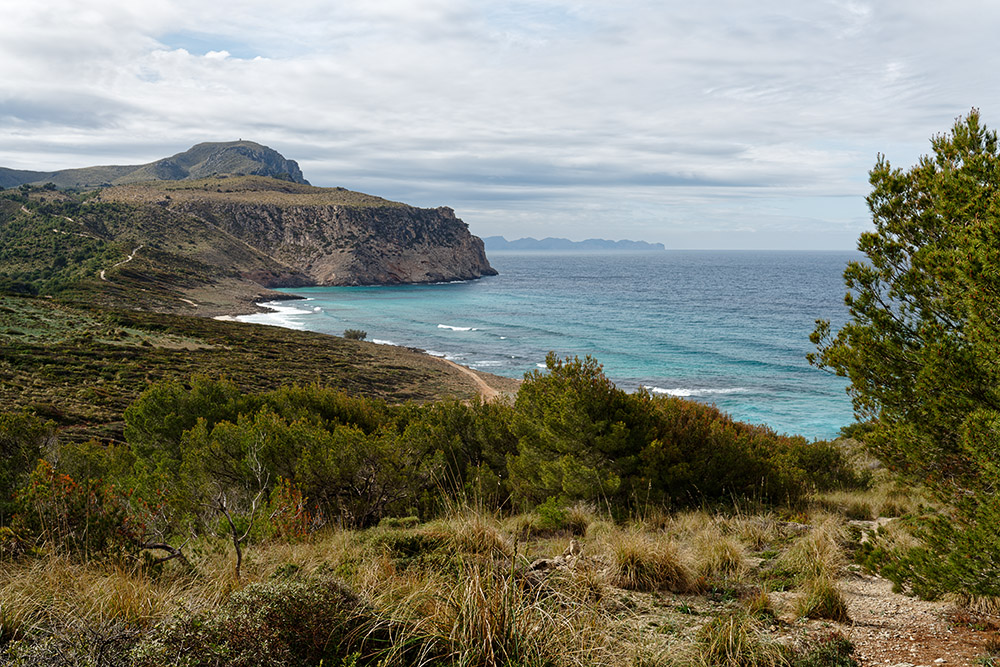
[[489, 386]]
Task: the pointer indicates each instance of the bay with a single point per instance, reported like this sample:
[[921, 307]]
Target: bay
[[724, 327]]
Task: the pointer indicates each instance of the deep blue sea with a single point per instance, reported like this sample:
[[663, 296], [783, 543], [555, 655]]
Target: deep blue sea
[[725, 327]]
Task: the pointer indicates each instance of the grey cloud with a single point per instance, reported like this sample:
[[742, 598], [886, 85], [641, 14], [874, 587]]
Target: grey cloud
[[684, 115]]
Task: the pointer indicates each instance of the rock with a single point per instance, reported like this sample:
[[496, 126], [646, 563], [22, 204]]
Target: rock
[[342, 245]]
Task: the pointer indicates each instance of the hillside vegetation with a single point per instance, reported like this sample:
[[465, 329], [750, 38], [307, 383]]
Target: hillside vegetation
[[248, 502]]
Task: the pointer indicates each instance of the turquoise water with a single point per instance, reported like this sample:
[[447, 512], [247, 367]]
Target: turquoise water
[[729, 328]]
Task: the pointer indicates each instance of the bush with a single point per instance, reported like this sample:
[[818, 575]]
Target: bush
[[355, 334], [22, 439], [280, 623], [582, 438], [88, 517]]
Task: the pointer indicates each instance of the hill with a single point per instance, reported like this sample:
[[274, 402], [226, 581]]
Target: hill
[[200, 161], [213, 246]]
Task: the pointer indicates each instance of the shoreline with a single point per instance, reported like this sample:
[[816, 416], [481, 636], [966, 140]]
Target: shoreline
[[490, 386]]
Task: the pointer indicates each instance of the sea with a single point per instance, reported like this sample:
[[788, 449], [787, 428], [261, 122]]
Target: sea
[[729, 328]]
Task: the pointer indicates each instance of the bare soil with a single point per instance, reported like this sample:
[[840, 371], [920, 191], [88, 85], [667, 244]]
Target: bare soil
[[888, 628]]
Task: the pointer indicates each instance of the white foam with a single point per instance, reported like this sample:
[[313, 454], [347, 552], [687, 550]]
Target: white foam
[[317, 309], [542, 365], [435, 353], [489, 363], [694, 393], [448, 326], [379, 341], [281, 315]]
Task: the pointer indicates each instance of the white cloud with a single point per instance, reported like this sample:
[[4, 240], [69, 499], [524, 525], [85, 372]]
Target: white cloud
[[661, 120]]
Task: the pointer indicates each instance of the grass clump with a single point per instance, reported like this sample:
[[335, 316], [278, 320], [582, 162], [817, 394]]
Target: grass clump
[[641, 562], [818, 553], [734, 640], [471, 532], [820, 598], [756, 532], [719, 555], [833, 650]]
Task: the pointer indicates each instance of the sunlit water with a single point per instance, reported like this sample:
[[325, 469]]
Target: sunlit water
[[729, 328]]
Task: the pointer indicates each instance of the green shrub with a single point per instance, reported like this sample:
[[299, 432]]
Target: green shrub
[[280, 623], [22, 440], [355, 334], [88, 517], [581, 438]]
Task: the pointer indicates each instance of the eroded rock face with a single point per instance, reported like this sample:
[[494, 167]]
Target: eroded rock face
[[339, 245]]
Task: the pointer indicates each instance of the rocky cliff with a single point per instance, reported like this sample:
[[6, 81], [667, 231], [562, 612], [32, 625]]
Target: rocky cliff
[[340, 245], [317, 236]]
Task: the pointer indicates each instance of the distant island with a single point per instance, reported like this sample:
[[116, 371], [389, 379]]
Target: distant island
[[549, 244]]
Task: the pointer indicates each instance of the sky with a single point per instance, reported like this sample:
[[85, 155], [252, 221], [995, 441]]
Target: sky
[[720, 124]]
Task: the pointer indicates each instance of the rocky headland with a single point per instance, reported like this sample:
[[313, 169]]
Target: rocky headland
[[211, 230]]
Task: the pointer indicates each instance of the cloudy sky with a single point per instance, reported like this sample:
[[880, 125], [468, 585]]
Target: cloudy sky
[[722, 124]]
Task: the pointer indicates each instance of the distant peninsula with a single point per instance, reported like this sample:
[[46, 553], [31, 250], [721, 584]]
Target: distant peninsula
[[549, 244]]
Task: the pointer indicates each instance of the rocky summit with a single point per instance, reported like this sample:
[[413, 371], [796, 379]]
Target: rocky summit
[[203, 160]]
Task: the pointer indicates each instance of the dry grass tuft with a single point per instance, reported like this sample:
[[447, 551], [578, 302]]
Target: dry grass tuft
[[734, 640], [472, 532], [51, 592], [687, 524], [886, 499], [820, 598], [818, 552], [718, 555], [758, 604], [757, 532], [642, 562]]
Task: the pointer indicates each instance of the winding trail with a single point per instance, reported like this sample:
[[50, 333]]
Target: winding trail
[[124, 261], [486, 391]]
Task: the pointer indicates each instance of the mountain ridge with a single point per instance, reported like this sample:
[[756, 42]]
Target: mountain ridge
[[200, 161]]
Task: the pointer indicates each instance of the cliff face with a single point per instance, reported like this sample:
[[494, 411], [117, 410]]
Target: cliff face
[[340, 245], [303, 235]]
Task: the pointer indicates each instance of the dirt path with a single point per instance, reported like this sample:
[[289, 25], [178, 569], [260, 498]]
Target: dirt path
[[486, 391], [893, 629], [124, 261]]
